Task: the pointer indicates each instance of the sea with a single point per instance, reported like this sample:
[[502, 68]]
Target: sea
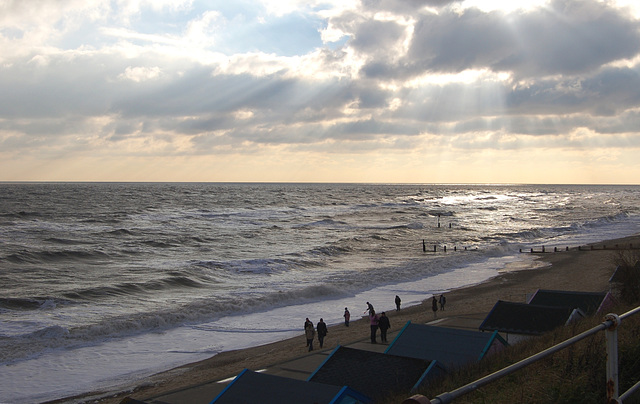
[[104, 284]]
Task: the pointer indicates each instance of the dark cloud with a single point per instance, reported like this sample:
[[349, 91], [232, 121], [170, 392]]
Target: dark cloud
[[627, 122], [615, 90], [568, 37], [373, 37], [611, 91]]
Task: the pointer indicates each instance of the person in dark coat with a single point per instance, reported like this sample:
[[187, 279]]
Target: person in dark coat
[[398, 301], [370, 309], [384, 324], [443, 300], [347, 317], [434, 306], [321, 329], [310, 332], [306, 324]]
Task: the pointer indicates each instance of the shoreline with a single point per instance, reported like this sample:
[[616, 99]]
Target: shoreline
[[585, 270]]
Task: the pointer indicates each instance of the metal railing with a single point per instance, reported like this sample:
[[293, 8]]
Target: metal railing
[[610, 326]]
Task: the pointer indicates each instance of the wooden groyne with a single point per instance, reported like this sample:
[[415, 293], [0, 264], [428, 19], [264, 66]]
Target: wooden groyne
[[598, 247], [539, 250]]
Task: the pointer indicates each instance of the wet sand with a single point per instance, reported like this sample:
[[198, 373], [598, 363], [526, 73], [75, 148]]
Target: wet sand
[[587, 270]]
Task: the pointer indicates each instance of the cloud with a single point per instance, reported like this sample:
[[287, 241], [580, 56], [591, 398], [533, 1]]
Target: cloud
[[567, 37], [373, 77]]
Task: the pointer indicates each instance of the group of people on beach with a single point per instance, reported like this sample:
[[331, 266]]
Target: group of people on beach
[[376, 322], [310, 332], [434, 304]]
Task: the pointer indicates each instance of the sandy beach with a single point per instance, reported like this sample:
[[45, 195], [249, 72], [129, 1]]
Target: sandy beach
[[586, 270]]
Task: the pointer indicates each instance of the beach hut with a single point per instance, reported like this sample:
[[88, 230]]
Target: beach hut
[[255, 387], [451, 347], [519, 321], [588, 302], [375, 374]]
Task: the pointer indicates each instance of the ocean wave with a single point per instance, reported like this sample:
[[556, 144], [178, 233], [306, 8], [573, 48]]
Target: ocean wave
[[411, 226], [21, 215], [324, 223], [332, 250], [519, 236], [35, 257], [48, 333], [34, 343], [34, 303], [254, 266], [65, 241], [130, 289], [203, 310], [161, 244], [605, 220], [98, 220], [120, 232]]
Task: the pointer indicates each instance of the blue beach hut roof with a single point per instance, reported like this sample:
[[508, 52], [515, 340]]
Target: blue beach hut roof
[[373, 373], [449, 346], [527, 319], [588, 302], [255, 387]]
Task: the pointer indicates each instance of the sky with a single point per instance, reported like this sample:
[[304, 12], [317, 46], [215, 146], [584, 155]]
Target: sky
[[378, 91]]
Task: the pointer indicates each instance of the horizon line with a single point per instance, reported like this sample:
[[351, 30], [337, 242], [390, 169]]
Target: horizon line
[[314, 183]]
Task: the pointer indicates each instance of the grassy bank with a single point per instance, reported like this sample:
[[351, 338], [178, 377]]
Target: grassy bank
[[576, 374]]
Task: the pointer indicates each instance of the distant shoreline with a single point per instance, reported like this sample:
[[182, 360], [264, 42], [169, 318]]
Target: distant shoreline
[[586, 270], [507, 184]]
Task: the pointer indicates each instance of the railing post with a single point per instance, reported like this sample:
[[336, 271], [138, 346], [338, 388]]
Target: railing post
[[612, 358]]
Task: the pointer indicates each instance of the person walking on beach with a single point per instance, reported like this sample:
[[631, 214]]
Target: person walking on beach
[[373, 322], [369, 309], [310, 333], [443, 300], [347, 317], [306, 324], [384, 324], [398, 301], [321, 329], [434, 306]]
